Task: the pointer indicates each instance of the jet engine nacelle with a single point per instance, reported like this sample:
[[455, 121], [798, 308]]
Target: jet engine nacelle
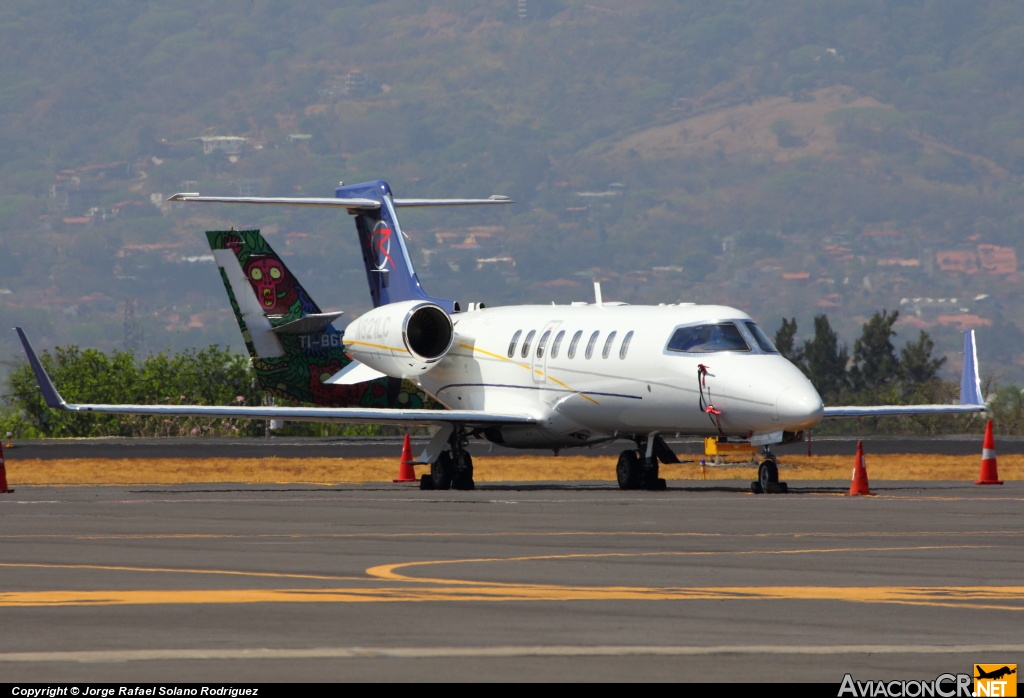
[[402, 340]]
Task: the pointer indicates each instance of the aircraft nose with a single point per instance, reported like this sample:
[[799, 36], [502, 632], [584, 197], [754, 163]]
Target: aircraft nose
[[799, 407]]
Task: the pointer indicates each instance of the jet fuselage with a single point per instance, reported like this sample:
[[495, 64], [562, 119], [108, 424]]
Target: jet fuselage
[[590, 372]]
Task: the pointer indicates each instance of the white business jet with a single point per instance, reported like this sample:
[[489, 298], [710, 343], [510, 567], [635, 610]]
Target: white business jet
[[548, 376]]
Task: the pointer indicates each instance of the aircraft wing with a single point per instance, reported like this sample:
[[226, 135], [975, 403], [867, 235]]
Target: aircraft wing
[[971, 400], [347, 415]]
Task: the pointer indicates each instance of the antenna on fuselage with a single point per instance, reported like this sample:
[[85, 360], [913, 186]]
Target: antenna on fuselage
[[597, 293]]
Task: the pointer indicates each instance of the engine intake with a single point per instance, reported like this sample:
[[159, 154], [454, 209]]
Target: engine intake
[[428, 332], [401, 339]]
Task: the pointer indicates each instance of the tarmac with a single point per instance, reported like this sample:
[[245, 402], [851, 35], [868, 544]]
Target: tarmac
[[387, 447], [548, 581]]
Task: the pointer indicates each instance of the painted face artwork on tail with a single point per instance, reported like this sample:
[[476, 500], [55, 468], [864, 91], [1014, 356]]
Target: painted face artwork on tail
[[308, 360], [275, 287]]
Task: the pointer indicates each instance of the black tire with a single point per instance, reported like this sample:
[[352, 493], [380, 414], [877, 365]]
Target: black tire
[[441, 471], [462, 479], [767, 475], [628, 470]]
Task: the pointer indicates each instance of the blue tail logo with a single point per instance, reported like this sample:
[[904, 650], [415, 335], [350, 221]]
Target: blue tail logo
[[380, 244], [389, 270]]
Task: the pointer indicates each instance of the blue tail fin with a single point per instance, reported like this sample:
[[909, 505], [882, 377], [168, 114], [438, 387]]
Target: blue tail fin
[[389, 269]]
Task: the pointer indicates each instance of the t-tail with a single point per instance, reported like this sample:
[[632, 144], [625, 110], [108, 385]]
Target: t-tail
[[296, 351], [389, 269]]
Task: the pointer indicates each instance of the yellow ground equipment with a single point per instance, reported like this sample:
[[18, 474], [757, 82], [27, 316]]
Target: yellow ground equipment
[[717, 449]]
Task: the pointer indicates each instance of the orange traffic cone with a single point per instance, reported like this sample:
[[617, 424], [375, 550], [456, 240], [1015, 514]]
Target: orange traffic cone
[[989, 472], [859, 483], [406, 473], [3, 472]]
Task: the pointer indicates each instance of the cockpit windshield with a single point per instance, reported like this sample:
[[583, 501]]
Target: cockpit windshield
[[761, 338], [702, 339]]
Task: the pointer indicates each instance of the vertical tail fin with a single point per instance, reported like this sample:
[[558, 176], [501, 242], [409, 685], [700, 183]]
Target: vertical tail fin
[[389, 269], [293, 345]]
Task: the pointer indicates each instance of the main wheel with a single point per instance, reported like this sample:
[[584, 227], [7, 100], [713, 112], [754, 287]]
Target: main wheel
[[462, 479], [767, 474], [442, 471], [629, 470]]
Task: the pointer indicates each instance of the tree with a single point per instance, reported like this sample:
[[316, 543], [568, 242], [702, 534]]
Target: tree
[[916, 362], [785, 342], [211, 376], [825, 362], [875, 364]]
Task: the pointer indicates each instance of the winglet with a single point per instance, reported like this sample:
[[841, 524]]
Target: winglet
[[50, 394], [970, 382]]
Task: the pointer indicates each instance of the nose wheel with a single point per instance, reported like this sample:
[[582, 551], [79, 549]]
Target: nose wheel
[[768, 477]]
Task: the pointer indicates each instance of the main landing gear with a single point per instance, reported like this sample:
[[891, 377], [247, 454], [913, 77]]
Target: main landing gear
[[453, 469], [768, 476], [635, 471]]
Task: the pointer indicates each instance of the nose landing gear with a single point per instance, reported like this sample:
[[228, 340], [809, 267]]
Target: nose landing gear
[[768, 476]]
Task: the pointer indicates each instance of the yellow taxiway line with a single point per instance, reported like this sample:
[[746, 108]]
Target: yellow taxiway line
[[384, 583], [1008, 598]]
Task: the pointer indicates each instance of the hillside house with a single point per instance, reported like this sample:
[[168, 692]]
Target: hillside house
[[230, 145]]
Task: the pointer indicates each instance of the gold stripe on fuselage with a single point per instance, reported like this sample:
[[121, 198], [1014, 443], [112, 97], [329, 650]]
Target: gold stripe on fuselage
[[548, 376]]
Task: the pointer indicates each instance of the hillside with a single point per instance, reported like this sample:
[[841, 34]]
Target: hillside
[[787, 158]]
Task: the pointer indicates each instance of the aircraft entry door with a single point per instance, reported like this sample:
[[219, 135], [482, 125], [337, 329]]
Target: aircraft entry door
[[539, 356]]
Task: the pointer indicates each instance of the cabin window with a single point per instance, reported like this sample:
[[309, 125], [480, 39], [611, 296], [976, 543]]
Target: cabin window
[[761, 338], [543, 343], [512, 344], [574, 343], [557, 343], [625, 344], [591, 344], [608, 345], [526, 344], [703, 339]]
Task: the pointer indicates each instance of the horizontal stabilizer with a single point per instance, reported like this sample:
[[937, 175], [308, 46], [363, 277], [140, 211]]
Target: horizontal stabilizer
[[412, 203], [347, 203], [354, 373], [309, 324], [277, 201]]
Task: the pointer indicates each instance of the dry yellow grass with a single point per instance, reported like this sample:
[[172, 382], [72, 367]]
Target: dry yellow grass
[[131, 471]]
